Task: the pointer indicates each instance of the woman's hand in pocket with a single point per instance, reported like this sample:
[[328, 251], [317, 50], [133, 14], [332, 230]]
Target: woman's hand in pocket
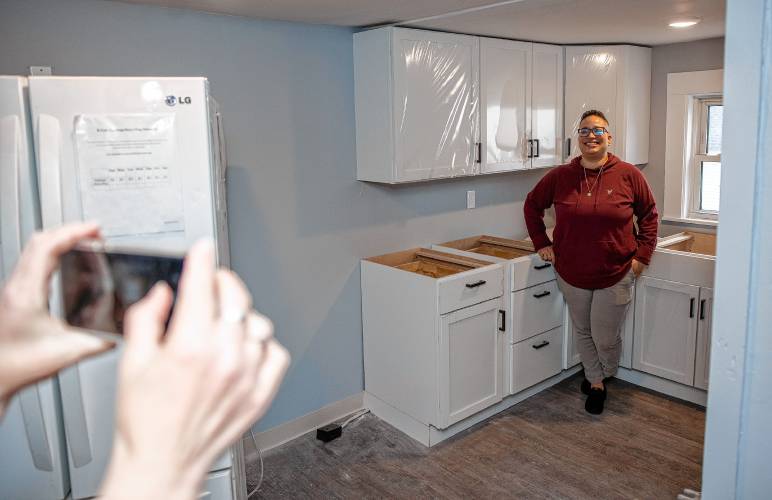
[[638, 268]]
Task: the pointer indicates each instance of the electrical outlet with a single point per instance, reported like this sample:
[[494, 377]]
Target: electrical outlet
[[40, 70], [470, 202]]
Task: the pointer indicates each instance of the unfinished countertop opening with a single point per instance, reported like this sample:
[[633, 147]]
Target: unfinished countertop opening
[[691, 242], [503, 248], [430, 263]]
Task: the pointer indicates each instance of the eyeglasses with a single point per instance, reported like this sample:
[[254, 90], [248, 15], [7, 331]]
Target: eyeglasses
[[597, 131]]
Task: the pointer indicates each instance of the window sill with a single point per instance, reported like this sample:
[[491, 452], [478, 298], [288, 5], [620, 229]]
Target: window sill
[[694, 222]]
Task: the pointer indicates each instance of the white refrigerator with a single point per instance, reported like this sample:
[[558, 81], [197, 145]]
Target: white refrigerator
[[32, 447], [143, 157]]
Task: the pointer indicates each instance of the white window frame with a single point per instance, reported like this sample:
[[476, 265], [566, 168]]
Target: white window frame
[[685, 91], [699, 155]]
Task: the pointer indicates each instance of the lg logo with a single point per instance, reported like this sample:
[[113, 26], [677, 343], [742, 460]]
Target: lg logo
[[173, 100]]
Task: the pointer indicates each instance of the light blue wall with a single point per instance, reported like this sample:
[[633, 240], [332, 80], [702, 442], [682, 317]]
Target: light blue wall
[[299, 221]]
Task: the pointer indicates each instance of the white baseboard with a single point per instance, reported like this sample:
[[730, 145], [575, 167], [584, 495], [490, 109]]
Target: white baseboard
[[277, 436], [428, 435], [664, 386]]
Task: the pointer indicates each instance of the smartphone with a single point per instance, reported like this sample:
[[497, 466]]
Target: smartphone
[[100, 282]]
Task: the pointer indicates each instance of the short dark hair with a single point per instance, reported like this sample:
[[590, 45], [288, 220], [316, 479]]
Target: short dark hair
[[594, 112]]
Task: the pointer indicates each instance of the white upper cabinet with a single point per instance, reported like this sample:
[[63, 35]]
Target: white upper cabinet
[[417, 108], [521, 96], [617, 81], [505, 96], [547, 106]]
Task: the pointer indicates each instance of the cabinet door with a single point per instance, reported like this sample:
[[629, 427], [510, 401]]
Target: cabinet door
[[505, 94], [436, 108], [665, 330], [547, 105], [471, 373], [591, 83], [702, 364]]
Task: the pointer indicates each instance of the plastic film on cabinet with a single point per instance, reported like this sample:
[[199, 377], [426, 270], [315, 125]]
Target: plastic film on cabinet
[[441, 91], [591, 81]]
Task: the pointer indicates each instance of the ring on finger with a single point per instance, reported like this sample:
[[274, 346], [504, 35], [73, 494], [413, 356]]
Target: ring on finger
[[233, 315]]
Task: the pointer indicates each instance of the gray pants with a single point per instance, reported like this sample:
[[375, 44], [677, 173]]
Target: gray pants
[[598, 316]]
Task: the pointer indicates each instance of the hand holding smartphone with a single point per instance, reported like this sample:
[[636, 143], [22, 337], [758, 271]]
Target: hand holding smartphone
[[100, 282]]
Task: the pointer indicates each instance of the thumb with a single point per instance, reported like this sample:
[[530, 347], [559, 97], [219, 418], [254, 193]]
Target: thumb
[[145, 322]]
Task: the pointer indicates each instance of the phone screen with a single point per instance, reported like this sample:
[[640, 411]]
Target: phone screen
[[98, 287]]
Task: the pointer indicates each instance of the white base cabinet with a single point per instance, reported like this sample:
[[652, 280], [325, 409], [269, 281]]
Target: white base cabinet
[[533, 307], [666, 329], [433, 345]]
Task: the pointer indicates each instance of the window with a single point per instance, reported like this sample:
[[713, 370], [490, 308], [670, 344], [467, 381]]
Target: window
[[694, 119], [704, 176]]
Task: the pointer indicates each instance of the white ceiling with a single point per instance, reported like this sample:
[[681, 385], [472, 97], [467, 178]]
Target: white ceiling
[[557, 21]]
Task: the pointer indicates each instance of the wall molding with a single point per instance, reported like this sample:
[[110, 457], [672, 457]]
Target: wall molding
[[283, 433]]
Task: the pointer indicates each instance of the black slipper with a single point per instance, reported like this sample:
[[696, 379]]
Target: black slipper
[[595, 400]]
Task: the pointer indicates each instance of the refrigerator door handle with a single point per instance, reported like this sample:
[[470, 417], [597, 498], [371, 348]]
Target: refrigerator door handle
[[10, 136], [49, 153], [76, 427], [35, 428]]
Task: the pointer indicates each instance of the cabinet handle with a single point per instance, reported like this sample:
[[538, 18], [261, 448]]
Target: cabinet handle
[[543, 266], [503, 318], [476, 284], [568, 150], [530, 148], [478, 158], [544, 343], [542, 294], [537, 148], [691, 307], [702, 309]]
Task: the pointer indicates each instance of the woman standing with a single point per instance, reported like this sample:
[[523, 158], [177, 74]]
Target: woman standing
[[596, 250]]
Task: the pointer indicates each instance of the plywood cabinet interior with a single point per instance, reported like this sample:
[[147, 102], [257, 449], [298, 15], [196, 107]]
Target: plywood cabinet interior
[[432, 344], [615, 79], [417, 104]]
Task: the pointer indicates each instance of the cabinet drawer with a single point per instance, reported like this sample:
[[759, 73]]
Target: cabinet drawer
[[536, 359], [529, 271], [469, 288], [536, 310]]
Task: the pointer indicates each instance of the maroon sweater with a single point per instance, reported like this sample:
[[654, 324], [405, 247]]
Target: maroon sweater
[[595, 239]]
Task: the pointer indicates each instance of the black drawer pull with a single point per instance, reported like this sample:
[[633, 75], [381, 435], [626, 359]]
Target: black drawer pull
[[476, 284], [702, 308], [543, 266], [691, 308], [544, 343], [503, 317], [542, 294]]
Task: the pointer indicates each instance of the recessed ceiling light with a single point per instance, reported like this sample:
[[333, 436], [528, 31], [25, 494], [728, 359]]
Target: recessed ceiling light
[[686, 22]]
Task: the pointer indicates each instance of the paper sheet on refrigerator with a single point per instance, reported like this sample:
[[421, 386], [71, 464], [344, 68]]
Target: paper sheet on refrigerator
[[128, 179]]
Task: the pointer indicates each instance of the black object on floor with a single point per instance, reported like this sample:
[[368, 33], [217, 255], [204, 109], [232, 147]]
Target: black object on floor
[[329, 432], [595, 400]]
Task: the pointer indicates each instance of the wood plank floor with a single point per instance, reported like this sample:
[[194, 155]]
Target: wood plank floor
[[643, 446]]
